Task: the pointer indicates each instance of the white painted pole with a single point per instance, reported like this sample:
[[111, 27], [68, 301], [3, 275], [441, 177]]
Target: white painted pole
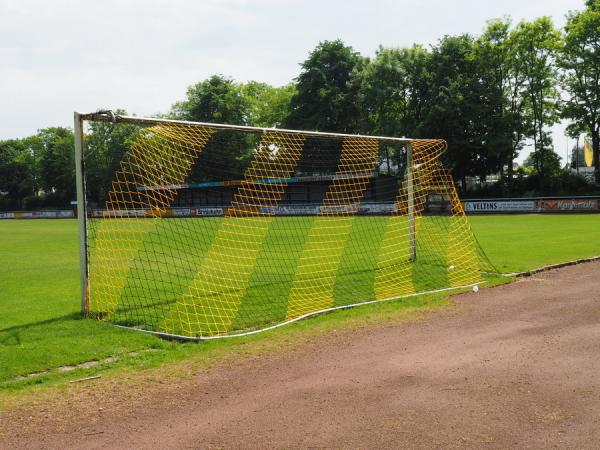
[[411, 202], [81, 211], [109, 117]]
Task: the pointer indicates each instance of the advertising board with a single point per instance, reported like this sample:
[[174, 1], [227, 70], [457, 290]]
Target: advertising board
[[563, 205], [500, 206]]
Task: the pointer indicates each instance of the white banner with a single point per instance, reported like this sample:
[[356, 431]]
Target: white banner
[[500, 206], [37, 214], [207, 212], [114, 213]]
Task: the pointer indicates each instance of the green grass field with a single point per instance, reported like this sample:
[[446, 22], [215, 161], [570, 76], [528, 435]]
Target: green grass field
[[40, 328]]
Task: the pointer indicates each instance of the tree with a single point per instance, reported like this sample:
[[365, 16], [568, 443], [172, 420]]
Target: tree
[[267, 106], [535, 45], [57, 162], [327, 90], [461, 108], [577, 156], [551, 163], [495, 55], [16, 179], [106, 146], [579, 57], [218, 99], [393, 91]]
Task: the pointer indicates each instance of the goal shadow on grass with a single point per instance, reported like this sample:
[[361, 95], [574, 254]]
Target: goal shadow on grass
[[6, 334]]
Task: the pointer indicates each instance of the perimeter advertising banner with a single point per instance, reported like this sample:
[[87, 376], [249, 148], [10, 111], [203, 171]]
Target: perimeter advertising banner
[[500, 206], [564, 205], [532, 205], [37, 214], [281, 210]]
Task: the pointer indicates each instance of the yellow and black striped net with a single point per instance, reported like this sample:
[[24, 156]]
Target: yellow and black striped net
[[206, 232]]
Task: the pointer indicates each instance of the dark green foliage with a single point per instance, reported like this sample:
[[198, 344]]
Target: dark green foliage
[[16, 175], [453, 109], [579, 57], [395, 86], [57, 164], [327, 90], [218, 100], [536, 44], [267, 106], [106, 146]]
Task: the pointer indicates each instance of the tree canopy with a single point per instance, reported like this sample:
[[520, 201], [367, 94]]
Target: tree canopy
[[326, 97], [579, 57]]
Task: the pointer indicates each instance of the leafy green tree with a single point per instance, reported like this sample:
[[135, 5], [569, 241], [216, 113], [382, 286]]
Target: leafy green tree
[[57, 163], [216, 99], [220, 100], [535, 45], [267, 106], [462, 108], [31, 155], [106, 146], [579, 58], [16, 175], [577, 156], [394, 89], [327, 90], [551, 164], [494, 53]]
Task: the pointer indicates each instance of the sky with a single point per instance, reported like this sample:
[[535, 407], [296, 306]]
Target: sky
[[61, 56]]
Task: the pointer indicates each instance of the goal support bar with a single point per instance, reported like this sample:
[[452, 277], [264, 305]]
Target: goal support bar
[[410, 188], [81, 211]]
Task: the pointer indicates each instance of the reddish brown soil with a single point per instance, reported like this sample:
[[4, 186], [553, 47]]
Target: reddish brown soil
[[512, 366]]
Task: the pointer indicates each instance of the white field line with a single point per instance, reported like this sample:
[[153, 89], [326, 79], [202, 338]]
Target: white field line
[[528, 273], [327, 310], [296, 319]]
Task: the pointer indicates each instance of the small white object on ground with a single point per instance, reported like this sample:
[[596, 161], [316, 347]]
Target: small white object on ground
[[475, 288]]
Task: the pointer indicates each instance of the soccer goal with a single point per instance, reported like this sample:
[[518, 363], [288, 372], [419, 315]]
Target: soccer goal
[[202, 230]]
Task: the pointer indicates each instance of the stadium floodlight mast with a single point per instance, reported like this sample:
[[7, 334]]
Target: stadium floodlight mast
[[220, 292]]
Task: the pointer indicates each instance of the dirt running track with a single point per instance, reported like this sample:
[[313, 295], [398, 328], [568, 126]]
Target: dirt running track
[[512, 366]]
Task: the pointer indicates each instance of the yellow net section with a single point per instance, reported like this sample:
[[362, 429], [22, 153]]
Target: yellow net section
[[206, 233]]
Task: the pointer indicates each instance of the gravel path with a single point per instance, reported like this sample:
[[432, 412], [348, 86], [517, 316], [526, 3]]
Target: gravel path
[[513, 366]]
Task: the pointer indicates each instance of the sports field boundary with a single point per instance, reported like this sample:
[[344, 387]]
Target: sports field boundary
[[309, 315], [449, 290], [548, 267]]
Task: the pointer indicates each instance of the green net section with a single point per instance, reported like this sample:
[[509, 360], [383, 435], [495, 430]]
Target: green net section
[[204, 232]]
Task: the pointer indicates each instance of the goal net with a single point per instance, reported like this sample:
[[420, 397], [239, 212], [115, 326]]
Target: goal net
[[206, 230]]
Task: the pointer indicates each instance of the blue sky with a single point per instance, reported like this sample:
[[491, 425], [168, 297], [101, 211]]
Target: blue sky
[[64, 55]]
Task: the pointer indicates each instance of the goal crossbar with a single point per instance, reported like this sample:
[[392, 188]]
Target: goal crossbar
[[109, 116]]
